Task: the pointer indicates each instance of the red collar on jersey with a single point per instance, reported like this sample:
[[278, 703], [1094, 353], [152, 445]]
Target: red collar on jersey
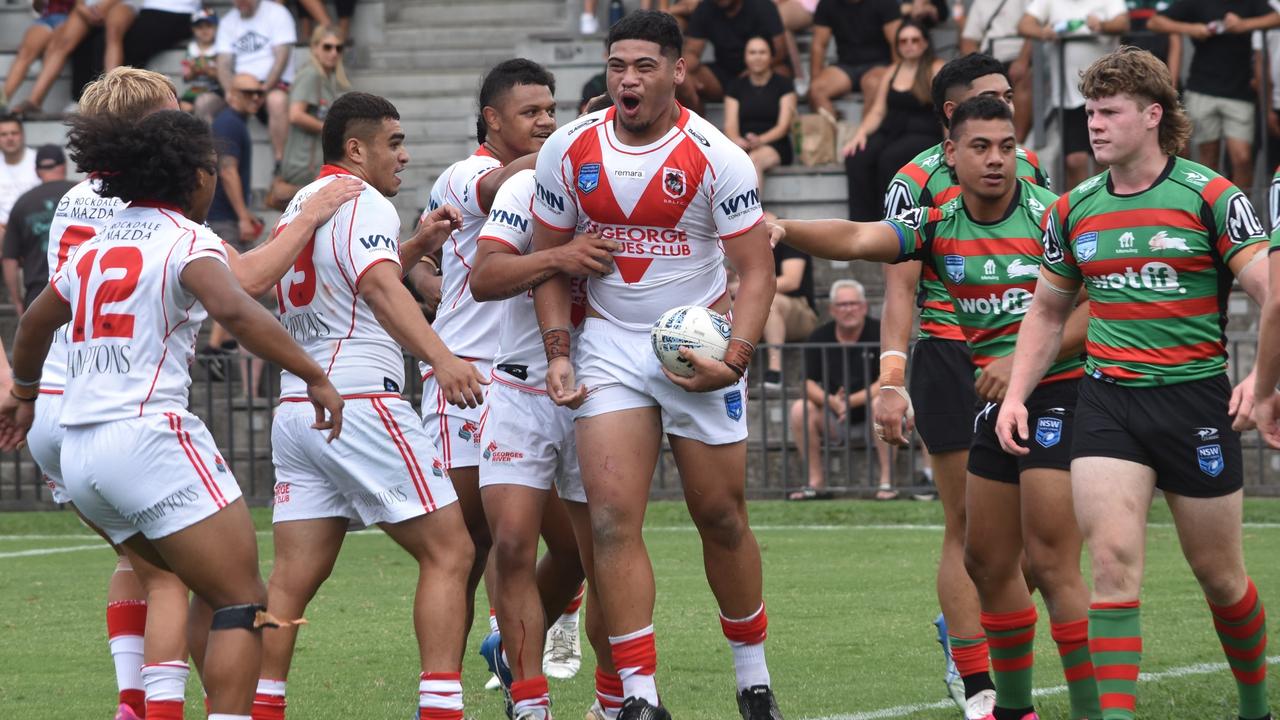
[[156, 204], [327, 170], [483, 151]]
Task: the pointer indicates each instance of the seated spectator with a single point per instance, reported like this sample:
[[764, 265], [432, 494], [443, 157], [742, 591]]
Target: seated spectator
[[26, 236], [200, 68], [318, 13], [52, 14], [759, 108], [926, 12], [87, 16], [1266, 48], [992, 28], [727, 25], [1219, 95], [864, 31], [138, 31], [838, 383], [791, 315], [1082, 26], [898, 124], [256, 38], [797, 15], [318, 83], [18, 171], [1165, 47]]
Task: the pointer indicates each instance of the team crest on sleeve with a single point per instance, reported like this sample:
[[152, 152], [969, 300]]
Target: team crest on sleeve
[[588, 177], [1086, 246], [955, 267], [1048, 431], [733, 404], [1210, 459], [673, 182]]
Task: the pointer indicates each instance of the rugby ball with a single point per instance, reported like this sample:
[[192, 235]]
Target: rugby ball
[[702, 330]]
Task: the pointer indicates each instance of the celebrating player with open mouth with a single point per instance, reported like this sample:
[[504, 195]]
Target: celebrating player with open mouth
[[678, 197]]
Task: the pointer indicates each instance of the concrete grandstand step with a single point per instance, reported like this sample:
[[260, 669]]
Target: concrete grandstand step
[[484, 36], [450, 13], [431, 59]]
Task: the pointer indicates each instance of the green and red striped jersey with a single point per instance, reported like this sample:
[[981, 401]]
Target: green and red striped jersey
[[927, 181], [1155, 265], [989, 270]]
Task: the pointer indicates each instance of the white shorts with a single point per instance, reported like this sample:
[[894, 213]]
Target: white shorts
[[382, 467], [155, 474], [44, 440], [454, 431], [621, 372], [528, 440]]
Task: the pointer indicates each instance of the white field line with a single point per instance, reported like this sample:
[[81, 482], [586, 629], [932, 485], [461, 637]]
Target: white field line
[[902, 711], [54, 551]]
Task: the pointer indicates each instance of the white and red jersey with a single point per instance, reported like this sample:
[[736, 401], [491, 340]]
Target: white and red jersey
[[133, 325], [80, 214], [669, 204], [319, 298], [520, 359], [469, 329]]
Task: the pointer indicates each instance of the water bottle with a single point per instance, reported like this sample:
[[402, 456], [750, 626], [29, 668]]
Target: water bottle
[[1217, 27], [1064, 27], [616, 11]]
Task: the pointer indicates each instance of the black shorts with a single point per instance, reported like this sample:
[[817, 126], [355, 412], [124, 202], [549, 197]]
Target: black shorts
[[1050, 419], [722, 75], [1181, 431], [941, 390], [1075, 129], [855, 72]]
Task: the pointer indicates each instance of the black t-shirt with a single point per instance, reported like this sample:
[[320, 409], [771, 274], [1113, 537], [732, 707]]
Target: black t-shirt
[[592, 89], [1222, 64], [858, 27], [786, 252], [729, 35], [26, 238], [231, 139], [758, 104], [848, 367]]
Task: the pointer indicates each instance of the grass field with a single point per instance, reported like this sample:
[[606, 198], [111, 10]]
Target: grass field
[[849, 587]]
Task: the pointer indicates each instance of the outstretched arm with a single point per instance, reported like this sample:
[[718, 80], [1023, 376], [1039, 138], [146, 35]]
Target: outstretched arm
[[843, 239]]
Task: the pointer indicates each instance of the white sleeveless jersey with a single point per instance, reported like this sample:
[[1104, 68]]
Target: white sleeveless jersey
[[319, 301], [669, 204], [520, 359], [80, 214], [469, 328], [134, 326]]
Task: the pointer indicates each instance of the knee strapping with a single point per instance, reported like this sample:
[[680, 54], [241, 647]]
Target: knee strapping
[[249, 616]]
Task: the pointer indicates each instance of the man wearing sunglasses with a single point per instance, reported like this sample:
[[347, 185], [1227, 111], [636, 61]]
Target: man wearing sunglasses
[[257, 38]]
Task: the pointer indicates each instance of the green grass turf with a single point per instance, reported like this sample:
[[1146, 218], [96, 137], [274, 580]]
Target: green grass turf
[[850, 603]]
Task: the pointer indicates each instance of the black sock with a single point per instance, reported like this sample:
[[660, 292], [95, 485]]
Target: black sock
[[976, 683]]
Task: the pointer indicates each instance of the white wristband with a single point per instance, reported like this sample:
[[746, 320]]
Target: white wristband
[[911, 411], [893, 353]]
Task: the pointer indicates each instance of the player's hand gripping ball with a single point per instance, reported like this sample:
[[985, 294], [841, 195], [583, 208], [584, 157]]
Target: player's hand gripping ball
[[702, 330]]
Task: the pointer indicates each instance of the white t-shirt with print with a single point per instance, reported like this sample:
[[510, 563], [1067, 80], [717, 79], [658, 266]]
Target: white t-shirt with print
[[252, 41]]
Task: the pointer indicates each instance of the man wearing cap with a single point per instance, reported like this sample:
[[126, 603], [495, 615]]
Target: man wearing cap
[[24, 258]]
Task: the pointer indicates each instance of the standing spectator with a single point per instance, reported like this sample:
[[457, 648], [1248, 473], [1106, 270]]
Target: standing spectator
[[256, 38], [926, 12], [1219, 95], [791, 316], [138, 30], [18, 171], [864, 31], [897, 126], [1167, 48], [1266, 52], [317, 12], [992, 28], [1079, 25], [203, 95], [26, 237], [52, 14], [727, 25], [318, 84], [838, 383], [87, 17], [759, 108]]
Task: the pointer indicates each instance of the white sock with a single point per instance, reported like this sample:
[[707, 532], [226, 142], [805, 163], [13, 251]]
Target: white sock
[[749, 664], [493, 623], [569, 622], [166, 681], [225, 716], [126, 652], [271, 687]]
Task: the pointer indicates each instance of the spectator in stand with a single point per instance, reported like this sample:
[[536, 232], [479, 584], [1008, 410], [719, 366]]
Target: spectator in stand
[[52, 14], [926, 12], [87, 16], [203, 95], [759, 108], [791, 316], [138, 30], [864, 31], [1167, 48], [1088, 30], [727, 25], [1219, 95], [898, 124], [1267, 66], [318, 84], [838, 383], [992, 28], [26, 237], [18, 171], [318, 13], [257, 38], [797, 15]]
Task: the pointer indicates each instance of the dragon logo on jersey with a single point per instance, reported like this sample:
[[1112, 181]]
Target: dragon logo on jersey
[[955, 267], [897, 198], [437, 467], [1242, 221], [1086, 247], [733, 404], [468, 431], [589, 177], [1210, 459], [673, 183], [1162, 241], [1020, 269], [1048, 431]]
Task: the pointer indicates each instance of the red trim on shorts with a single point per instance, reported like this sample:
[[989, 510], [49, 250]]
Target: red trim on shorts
[[493, 375], [184, 440], [353, 396], [406, 453], [50, 392]]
